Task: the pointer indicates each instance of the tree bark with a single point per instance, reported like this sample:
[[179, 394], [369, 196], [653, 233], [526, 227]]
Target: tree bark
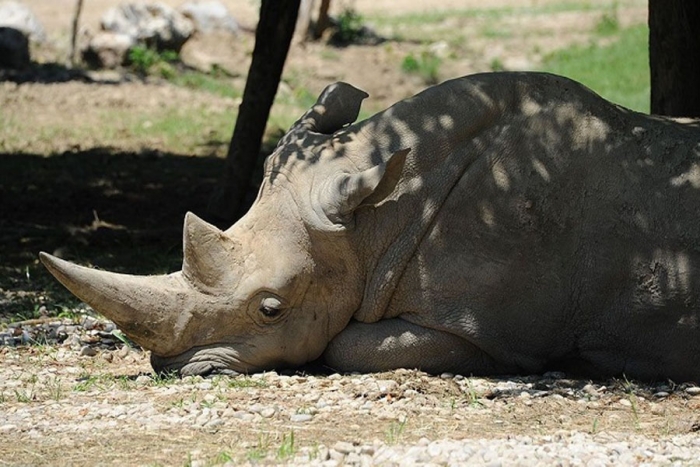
[[324, 19], [74, 33], [674, 57], [272, 39], [304, 20]]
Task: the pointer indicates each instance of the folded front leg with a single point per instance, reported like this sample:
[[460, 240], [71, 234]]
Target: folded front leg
[[395, 343]]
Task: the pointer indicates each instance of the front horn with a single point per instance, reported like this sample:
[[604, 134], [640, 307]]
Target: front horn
[[149, 309]]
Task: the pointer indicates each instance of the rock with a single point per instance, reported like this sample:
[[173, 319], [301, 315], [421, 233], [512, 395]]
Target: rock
[[17, 16], [214, 422], [8, 428], [14, 48], [108, 50], [88, 323], [152, 24], [209, 398], [208, 16], [301, 418], [88, 351], [344, 447], [245, 416], [693, 390], [386, 386], [591, 390], [143, 380]]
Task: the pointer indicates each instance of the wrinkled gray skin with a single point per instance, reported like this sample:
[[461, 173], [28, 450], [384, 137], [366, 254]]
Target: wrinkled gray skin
[[497, 223]]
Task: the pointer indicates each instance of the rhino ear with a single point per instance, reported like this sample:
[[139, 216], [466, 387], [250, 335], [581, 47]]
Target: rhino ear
[[338, 105], [347, 192], [205, 251]]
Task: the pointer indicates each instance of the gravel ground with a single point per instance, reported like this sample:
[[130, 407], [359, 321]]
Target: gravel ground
[[72, 382]]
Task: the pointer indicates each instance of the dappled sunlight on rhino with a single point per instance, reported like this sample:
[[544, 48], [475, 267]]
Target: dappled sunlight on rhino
[[497, 223]]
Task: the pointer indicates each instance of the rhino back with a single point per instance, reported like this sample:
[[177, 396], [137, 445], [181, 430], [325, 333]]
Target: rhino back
[[565, 229]]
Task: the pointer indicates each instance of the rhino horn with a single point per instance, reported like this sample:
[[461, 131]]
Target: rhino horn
[[338, 105], [142, 306], [207, 252]]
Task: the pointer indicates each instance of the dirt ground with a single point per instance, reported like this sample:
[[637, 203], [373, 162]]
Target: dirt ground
[[61, 408], [91, 171]]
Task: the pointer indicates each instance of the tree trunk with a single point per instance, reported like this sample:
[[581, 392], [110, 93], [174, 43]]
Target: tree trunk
[[272, 39], [674, 57], [304, 20], [324, 19], [74, 33]]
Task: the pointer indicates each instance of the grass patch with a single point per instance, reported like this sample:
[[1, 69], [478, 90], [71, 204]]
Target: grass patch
[[618, 71], [186, 132], [211, 83], [240, 382], [287, 447], [395, 431], [426, 65], [439, 16]]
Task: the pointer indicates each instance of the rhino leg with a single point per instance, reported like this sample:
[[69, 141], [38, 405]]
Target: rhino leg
[[395, 343]]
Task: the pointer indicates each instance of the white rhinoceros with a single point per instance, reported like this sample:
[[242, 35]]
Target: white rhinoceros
[[497, 223]]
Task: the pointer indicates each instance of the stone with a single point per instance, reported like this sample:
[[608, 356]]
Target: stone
[[693, 390], [209, 16], [88, 351], [301, 418], [108, 50], [143, 380], [8, 428], [344, 447], [591, 390], [88, 323], [386, 386], [152, 24], [14, 48], [18, 16]]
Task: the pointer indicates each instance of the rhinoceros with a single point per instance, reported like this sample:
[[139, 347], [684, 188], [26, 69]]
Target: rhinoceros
[[499, 223]]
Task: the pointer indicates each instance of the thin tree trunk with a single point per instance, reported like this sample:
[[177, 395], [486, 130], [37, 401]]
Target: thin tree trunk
[[272, 39], [304, 20], [324, 20], [74, 32], [674, 57]]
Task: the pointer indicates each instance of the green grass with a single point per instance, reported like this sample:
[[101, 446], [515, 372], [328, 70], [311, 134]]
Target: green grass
[[206, 82], [287, 447], [618, 71], [438, 16], [395, 431], [426, 65], [192, 132]]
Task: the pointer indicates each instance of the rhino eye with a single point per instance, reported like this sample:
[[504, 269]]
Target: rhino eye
[[270, 307]]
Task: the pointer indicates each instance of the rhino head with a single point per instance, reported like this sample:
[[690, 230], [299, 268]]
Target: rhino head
[[277, 286]]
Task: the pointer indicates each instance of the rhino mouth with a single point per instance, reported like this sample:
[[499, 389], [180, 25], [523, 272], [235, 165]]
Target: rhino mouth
[[203, 361]]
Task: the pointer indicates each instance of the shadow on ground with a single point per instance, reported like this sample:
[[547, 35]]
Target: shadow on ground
[[46, 73], [100, 207]]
